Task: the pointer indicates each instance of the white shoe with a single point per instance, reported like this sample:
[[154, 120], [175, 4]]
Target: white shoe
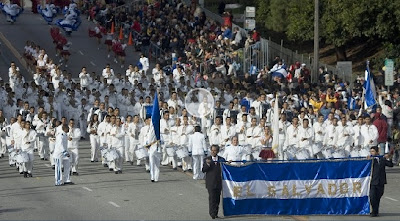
[[108, 56]]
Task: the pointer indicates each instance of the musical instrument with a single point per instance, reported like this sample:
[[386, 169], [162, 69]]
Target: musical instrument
[[182, 152], [355, 152], [247, 149], [256, 153], [111, 154], [364, 152], [339, 153], [302, 154], [316, 147], [327, 152], [171, 151], [290, 152], [21, 157], [141, 153]]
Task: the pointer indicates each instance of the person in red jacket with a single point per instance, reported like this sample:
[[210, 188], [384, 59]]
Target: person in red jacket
[[382, 126]]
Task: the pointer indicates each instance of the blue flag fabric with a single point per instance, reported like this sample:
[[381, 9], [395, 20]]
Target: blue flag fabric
[[369, 89], [155, 117], [337, 187]]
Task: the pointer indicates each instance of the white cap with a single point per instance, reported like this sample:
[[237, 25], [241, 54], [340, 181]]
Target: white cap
[[270, 96]]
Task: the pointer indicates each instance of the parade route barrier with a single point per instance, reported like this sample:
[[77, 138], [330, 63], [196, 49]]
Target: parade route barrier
[[331, 187]]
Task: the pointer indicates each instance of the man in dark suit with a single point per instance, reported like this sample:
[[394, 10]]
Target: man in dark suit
[[212, 169], [378, 179]]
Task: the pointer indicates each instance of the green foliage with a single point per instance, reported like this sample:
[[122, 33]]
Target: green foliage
[[272, 14], [391, 51]]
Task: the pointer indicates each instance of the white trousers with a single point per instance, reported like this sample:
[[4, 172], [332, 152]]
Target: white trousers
[[186, 163], [52, 145], [61, 177], [117, 163], [74, 157], [94, 150], [128, 152], [43, 147], [197, 165], [154, 160], [3, 145], [28, 166]]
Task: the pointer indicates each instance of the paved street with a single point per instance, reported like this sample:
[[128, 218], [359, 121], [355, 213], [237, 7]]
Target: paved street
[[100, 194]]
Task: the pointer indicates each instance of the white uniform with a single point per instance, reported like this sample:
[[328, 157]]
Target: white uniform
[[28, 139], [234, 153], [94, 141], [241, 128], [73, 145], [358, 138], [165, 131], [308, 134], [83, 115], [61, 160], [117, 135], [43, 145], [227, 132], [51, 136], [331, 136], [185, 132], [133, 133], [198, 148], [215, 135], [154, 153], [345, 138], [370, 135], [142, 141]]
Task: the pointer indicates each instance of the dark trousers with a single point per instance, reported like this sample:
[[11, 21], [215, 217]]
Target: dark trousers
[[375, 195], [214, 196]]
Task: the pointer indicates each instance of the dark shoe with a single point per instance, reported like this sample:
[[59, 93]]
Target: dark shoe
[[75, 173], [131, 163], [110, 169], [116, 172], [42, 158], [46, 159], [30, 174], [69, 183], [22, 172], [53, 167], [373, 215], [92, 161], [119, 171], [96, 160], [59, 185], [212, 217], [25, 174], [152, 181], [105, 165], [148, 171], [175, 168], [190, 170]]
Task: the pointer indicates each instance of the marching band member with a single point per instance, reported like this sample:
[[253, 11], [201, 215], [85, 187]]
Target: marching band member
[[165, 131], [154, 151], [345, 136], [292, 134], [28, 138], [74, 135], [331, 135], [369, 133], [234, 152], [3, 133], [83, 110], [319, 134], [12, 11], [214, 135], [198, 149], [175, 141], [92, 129], [185, 131], [51, 136], [134, 132], [241, 128], [306, 135], [15, 133], [227, 132], [128, 153], [253, 134], [49, 12], [61, 158], [358, 138], [102, 133], [43, 145], [117, 134], [143, 135]]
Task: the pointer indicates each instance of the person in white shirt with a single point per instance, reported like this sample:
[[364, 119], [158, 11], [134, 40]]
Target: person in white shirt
[[331, 135], [165, 131], [145, 63], [306, 136], [319, 134], [198, 149], [117, 135], [369, 133], [234, 152], [85, 78], [142, 142], [154, 150], [184, 132], [43, 145], [134, 133], [108, 74], [292, 134], [214, 134], [345, 136], [61, 158], [51, 136], [28, 138], [94, 138], [241, 128], [74, 135], [358, 138], [227, 132]]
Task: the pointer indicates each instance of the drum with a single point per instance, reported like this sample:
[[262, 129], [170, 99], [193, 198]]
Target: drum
[[141, 153], [256, 153], [22, 157], [171, 151], [290, 152], [327, 152], [364, 152], [302, 154], [339, 153], [112, 155], [355, 152], [103, 151], [248, 150], [182, 152], [316, 148]]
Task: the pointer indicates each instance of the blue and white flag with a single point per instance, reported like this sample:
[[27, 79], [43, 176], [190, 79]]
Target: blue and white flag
[[337, 187], [280, 72], [370, 91], [155, 117]]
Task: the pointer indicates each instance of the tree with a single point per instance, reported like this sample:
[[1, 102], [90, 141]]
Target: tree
[[272, 14]]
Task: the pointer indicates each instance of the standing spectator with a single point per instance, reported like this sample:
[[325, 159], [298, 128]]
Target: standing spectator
[[382, 127]]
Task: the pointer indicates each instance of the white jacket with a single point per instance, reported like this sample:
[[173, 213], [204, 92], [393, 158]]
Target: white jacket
[[75, 134], [117, 135], [28, 140], [197, 144], [61, 145]]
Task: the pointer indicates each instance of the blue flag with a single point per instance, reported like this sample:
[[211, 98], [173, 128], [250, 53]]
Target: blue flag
[[155, 117], [370, 92]]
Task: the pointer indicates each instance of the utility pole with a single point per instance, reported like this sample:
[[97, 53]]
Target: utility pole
[[314, 75]]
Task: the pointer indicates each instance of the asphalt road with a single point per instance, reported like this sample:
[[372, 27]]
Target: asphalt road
[[101, 194]]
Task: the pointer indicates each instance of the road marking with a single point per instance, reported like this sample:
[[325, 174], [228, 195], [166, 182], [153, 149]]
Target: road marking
[[13, 50], [47, 165], [80, 52], [114, 204], [391, 199], [92, 63], [86, 188]]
